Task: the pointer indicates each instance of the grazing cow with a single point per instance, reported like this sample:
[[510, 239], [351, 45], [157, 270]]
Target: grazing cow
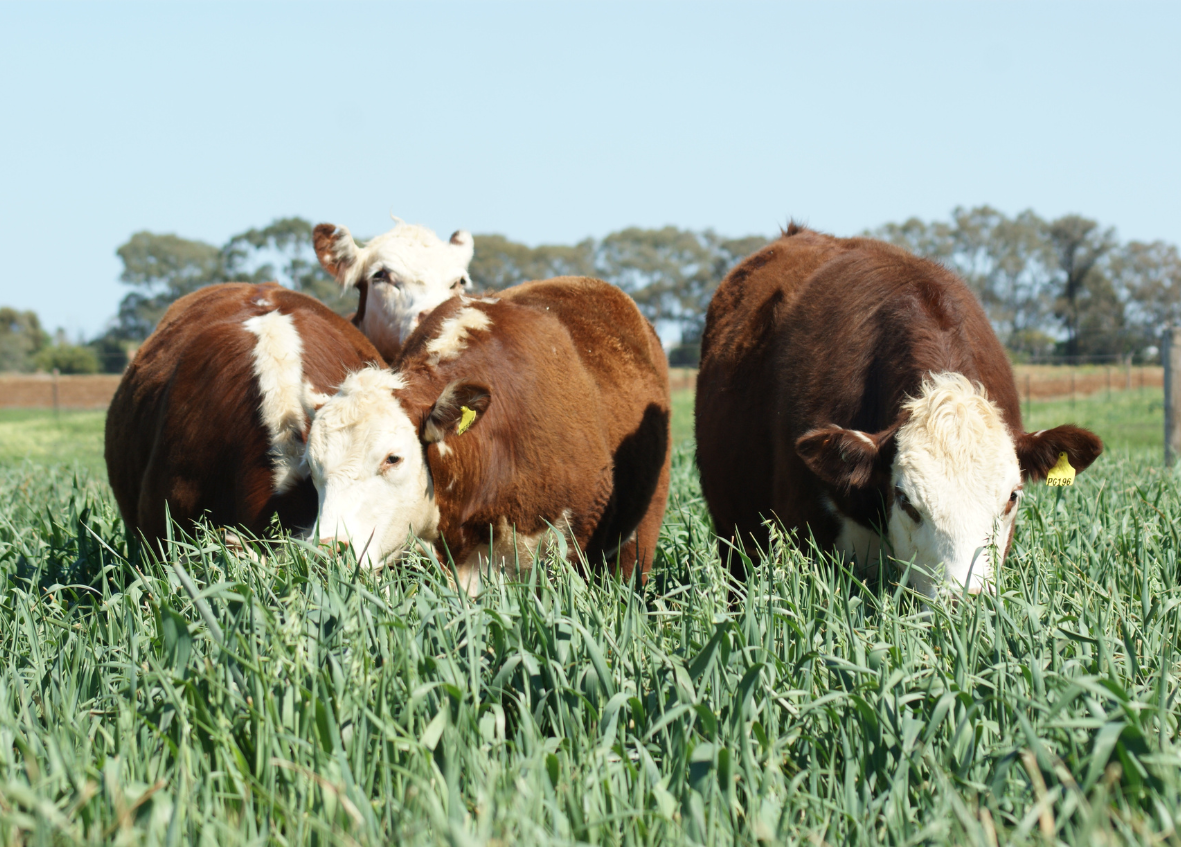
[[212, 414], [543, 409], [400, 276], [857, 393]]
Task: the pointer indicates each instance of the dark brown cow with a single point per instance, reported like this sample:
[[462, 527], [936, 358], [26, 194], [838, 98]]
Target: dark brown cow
[[211, 415], [543, 409], [858, 393]]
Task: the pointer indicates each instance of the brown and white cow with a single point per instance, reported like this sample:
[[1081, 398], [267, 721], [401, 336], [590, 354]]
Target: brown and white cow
[[401, 276], [543, 409], [857, 394], [212, 414]]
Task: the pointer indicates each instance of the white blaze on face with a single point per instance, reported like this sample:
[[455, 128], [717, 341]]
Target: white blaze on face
[[369, 469], [956, 487], [287, 401], [409, 271]]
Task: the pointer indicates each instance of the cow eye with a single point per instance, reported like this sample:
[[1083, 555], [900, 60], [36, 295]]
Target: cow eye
[[902, 500], [1013, 498], [384, 277], [392, 460]]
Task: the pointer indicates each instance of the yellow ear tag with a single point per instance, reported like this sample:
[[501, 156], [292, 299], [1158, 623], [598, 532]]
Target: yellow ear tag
[[1062, 473], [469, 417]]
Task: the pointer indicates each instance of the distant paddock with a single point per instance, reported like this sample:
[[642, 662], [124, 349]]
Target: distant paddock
[[36, 391], [1039, 382], [1036, 382], [1043, 382]]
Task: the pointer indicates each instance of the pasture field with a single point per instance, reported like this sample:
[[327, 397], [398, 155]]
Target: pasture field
[[1125, 420], [212, 697], [69, 438]]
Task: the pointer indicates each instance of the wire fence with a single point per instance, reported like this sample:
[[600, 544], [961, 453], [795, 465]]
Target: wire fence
[[1040, 382], [1035, 381], [52, 391]]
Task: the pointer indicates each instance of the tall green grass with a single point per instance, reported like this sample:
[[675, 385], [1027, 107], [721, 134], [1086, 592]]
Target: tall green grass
[[1124, 419], [290, 698]]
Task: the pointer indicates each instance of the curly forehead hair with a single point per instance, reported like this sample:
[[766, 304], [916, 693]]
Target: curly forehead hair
[[359, 393], [953, 420]]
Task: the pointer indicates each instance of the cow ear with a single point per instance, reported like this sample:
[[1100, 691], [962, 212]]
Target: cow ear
[[1037, 452], [459, 407], [462, 240], [337, 253], [846, 458]]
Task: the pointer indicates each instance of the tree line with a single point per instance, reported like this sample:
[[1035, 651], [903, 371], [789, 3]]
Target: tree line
[[1064, 287], [159, 269]]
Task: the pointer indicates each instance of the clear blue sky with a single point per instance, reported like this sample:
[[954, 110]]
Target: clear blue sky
[[549, 122]]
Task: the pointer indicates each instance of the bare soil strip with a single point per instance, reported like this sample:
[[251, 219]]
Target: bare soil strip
[[1037, 382], [35, 391]]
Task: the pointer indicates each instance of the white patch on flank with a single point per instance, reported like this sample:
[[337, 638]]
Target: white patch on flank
[[377, 507], [957, 464], [286, 399], [453, 334]]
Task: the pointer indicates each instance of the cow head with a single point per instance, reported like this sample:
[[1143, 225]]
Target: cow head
[[951, 475], [367, 454], [403, 275]]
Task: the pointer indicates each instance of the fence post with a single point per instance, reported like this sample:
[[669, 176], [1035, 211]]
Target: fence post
[[1172, 359]]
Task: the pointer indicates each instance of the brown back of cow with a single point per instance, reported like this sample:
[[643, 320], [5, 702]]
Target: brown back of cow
[[184, 427]]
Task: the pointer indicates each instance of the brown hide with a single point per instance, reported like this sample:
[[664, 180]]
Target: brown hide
[[184, 427], [813, 333], [573, 384]]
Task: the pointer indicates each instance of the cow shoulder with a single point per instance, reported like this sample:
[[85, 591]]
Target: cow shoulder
[[332, 347]]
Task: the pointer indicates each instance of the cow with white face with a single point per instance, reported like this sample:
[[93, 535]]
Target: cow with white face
[[858, 395], [211, 416], [954, 485], [401, 276], [542, 411], [370, 469], [957, 485]]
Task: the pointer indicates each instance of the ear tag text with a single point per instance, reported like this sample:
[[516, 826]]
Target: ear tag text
[[1062, 473], [468, 417]]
